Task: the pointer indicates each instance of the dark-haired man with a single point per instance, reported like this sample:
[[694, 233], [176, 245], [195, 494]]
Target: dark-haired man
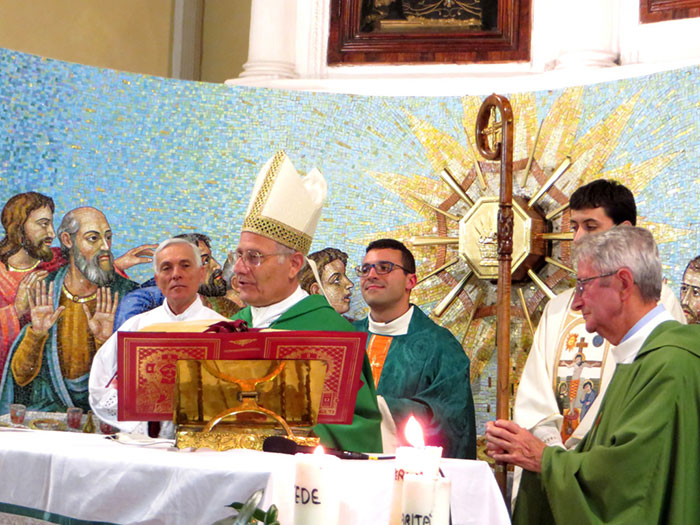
[[419, 367], [561, 334]]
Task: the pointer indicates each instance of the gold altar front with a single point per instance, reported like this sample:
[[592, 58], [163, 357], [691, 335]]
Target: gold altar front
[[224, 404]]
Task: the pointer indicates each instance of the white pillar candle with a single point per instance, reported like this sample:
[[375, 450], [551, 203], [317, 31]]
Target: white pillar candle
[[424, 461], [418, 499], [426, 500], [441, 503], [316, 494]]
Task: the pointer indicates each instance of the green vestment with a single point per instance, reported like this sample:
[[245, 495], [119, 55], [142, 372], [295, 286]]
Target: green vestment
[[640, 463], [364, 434], [426, 374]]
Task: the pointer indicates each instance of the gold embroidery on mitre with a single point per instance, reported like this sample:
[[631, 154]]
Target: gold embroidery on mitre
[[282, 233], [255, 222]]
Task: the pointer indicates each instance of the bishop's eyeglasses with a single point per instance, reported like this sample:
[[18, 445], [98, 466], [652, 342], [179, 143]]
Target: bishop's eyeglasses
[[253, 258], [381, 267]]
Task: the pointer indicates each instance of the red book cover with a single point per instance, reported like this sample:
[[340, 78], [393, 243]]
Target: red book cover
[[146, 366]]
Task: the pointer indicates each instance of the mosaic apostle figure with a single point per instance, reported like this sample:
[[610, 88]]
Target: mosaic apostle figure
[[337, 288], [24, 253], [26, 257], [72, 314], [690, 291]]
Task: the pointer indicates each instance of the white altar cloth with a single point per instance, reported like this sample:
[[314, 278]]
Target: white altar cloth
[[88, 477]]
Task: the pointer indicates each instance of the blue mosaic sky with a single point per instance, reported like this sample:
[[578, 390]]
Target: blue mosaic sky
[[162, 156]]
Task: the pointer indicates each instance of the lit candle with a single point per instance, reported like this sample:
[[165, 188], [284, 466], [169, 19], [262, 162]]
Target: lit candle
[[316, 496], [417, 459]]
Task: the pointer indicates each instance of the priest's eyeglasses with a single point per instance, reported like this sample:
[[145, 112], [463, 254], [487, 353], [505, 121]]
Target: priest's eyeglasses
[[381, 267], [252, 258], [581, 283]]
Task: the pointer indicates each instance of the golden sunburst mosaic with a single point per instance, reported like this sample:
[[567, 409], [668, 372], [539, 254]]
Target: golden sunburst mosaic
[[550, 160]]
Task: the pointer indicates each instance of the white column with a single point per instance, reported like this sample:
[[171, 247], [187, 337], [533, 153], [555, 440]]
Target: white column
[[272, 44], [588, 33]]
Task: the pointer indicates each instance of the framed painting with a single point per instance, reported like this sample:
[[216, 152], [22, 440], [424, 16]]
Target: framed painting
[[660, 10], [429, 31]]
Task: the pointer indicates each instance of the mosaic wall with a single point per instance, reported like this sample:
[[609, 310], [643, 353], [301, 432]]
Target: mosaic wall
[[161, 157]]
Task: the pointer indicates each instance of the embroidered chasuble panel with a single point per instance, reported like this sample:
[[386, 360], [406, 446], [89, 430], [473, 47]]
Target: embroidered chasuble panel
[[377, 349], [579, 366]]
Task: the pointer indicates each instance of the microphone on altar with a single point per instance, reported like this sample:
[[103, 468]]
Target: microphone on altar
[[282, 445]]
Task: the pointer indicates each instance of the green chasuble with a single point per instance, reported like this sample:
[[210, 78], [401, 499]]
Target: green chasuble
[[364, 434], [640, 463], [426, 374]]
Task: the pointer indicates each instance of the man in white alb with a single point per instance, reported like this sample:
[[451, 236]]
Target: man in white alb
[[178, 272]]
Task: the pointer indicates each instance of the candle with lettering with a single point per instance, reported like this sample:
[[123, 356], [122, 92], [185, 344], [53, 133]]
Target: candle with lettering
[[316, 494], [441, 504], [417, 459], [425, 500]]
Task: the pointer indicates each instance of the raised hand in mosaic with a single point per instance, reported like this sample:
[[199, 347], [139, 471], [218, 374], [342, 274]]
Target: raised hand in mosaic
[[23, 290], [101, 323], [139, 255], [41, 307]]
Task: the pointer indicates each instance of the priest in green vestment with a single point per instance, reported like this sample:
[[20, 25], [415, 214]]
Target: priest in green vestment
[[640, 461], [419, 368], [270, 254]]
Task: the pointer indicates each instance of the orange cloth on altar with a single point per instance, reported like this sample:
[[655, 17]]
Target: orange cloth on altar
[[377, 350]]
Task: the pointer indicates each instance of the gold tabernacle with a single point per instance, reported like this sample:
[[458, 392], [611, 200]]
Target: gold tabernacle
[[224, 404]]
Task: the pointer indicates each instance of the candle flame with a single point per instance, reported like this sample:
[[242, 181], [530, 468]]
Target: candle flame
[[414, 433], [318, 451]]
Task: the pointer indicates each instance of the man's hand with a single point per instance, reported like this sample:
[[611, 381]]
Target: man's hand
[[22, 297], [102, 322], [41, 307], [510, 443], [139, 255]]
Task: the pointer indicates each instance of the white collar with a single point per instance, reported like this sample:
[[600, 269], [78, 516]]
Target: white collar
[[627, 350], [264, 316], [191, 309], [398, 326]]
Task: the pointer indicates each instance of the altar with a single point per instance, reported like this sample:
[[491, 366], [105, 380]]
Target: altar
[[66, 477]]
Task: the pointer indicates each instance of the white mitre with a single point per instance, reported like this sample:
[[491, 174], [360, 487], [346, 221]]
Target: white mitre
[[285, 206]]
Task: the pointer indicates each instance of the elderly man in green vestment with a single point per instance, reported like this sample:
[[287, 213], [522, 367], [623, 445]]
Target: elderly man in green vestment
[[639, 463], [271, 251], [419, 367]]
